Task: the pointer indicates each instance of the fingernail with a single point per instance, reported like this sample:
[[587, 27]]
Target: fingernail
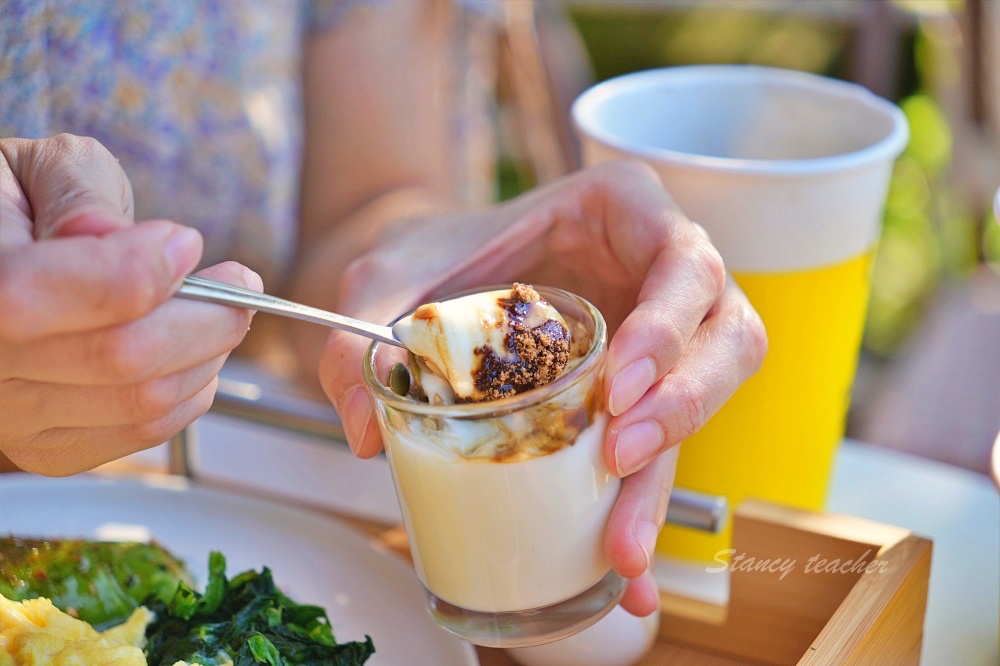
[[182, 251], [646, 534], [630, 384], [636, 444], [252, 280], [356, 415]]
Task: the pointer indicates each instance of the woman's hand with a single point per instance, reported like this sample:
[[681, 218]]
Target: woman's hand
[[96, 360], [683, 336]]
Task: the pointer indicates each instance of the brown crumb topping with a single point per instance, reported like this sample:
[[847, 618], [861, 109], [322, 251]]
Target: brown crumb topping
[[524, 293], [541, 352]]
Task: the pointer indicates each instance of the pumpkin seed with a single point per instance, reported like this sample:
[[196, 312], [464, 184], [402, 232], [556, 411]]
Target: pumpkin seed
[[399, 379]]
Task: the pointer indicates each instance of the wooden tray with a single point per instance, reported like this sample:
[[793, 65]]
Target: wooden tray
[[814, 618], [854, 615]]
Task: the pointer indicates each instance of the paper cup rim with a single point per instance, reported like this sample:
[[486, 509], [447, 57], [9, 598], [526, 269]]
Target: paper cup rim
[[888, 148]]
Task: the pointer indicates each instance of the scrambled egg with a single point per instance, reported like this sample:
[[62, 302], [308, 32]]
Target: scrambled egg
[[35, 632]]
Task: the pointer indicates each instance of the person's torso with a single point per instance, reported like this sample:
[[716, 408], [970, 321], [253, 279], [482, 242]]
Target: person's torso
[[200, 100]]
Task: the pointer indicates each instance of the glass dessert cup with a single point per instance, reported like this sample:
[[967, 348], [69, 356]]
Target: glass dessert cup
[[505, 503]]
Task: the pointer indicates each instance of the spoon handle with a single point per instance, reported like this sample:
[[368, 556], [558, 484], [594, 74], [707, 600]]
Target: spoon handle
[[210, 291]]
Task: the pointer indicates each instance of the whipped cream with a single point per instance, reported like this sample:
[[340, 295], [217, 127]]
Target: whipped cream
[[485, 346]]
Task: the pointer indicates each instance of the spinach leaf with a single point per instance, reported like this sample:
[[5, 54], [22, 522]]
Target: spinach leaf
[[263, 650], [246, 619], [99, 582]]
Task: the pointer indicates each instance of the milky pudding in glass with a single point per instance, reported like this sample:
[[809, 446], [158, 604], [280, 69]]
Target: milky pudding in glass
[[494, 424]]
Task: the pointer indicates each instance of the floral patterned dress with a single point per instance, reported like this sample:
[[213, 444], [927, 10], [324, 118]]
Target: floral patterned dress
[[200, 100]]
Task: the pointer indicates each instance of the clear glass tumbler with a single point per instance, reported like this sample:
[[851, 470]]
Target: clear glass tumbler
[[505, 502]]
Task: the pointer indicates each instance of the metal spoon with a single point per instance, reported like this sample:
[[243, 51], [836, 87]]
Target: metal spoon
[[210, 291]]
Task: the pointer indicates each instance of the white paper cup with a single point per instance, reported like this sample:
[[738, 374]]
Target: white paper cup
[[788, 172], [799, 160]]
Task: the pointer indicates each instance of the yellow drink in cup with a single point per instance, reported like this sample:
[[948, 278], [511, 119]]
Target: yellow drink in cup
[[788, 172], [805, 384]]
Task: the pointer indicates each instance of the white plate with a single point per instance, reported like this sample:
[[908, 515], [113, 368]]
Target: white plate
[[313, 558]]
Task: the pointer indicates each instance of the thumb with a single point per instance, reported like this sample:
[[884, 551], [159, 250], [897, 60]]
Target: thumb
[[341, 375], [65, 285], [73, 185]]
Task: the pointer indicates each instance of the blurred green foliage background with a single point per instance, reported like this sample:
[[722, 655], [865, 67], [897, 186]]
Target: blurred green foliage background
[[930, 233]]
